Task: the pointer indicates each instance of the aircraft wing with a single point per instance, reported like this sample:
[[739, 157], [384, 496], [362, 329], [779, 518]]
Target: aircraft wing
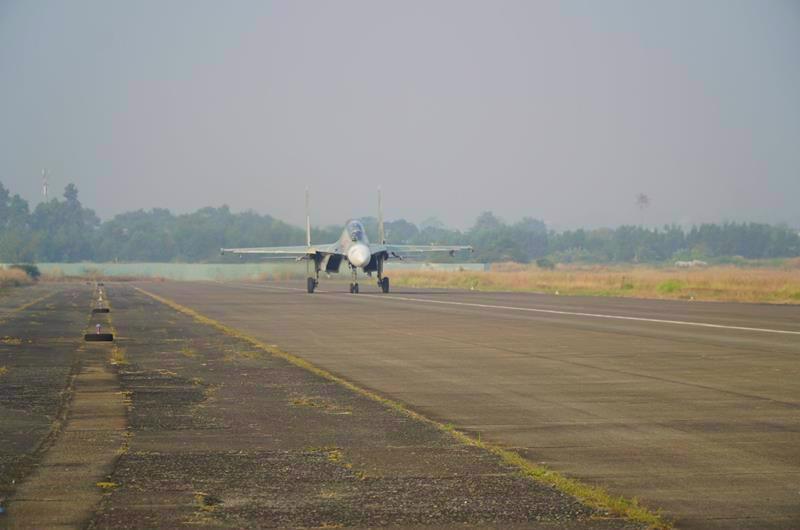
[[398, 251], [300, 250]]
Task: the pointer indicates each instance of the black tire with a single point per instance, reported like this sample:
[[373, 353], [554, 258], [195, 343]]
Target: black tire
[[385, 285], [311, 284], [101, 310], [98, 337]]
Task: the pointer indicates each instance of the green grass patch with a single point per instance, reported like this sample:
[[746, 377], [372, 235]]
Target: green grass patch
[[118, 357], [670, 286]]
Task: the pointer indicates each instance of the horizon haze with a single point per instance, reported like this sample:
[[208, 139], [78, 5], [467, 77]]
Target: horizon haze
[[558, 111]]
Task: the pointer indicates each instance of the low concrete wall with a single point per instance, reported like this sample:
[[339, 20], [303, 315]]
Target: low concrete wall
[[220, 271]]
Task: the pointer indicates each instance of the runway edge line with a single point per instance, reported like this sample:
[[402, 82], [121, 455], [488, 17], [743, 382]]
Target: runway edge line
[[593, 496], [589, 315]]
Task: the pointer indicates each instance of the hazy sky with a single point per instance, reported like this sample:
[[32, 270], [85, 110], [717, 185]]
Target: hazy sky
[[558, 110]]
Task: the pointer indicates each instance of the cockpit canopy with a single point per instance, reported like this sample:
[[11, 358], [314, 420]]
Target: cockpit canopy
[[355, 230]]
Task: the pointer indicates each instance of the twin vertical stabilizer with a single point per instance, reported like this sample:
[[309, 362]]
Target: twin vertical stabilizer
[[308, 221], [381, 233]]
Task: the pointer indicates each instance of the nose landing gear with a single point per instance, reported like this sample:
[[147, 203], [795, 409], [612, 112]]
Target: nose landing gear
[[354, 284]]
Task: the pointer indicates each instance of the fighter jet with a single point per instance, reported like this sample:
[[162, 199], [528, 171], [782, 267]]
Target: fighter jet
[[352, 248]]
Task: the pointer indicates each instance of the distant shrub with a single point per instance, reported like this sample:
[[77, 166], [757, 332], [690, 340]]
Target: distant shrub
[[545, 263], [13, 277], [738, 261], [30, 269]]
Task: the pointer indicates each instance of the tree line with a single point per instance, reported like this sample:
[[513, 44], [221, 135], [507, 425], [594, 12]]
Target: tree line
[[63, 230]]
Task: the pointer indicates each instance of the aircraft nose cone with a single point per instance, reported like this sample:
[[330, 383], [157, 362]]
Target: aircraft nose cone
[[358, 255]]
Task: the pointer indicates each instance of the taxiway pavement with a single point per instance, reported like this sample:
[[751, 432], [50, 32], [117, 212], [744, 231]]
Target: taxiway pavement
[[692, 407]]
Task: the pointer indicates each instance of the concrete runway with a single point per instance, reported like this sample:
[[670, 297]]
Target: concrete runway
[[691, 407]]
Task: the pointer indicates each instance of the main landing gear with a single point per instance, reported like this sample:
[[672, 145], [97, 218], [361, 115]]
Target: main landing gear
[[383, 281], [313, 283]]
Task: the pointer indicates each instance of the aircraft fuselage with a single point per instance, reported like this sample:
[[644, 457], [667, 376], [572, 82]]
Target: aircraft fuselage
[[354, 244]]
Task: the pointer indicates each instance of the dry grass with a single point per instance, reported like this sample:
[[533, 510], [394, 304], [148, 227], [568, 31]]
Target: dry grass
[[13, 278], [188, 351], [281, 275], [118, 357], [726, 283], [320, 403], [57, 275]]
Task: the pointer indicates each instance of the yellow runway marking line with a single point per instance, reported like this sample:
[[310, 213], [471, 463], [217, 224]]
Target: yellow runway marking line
[[593, 496]]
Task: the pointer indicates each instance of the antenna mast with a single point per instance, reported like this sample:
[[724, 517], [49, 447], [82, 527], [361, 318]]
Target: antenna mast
[[44, 184]]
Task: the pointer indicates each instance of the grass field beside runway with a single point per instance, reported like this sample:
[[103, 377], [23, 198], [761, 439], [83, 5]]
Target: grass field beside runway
[[780, 285]]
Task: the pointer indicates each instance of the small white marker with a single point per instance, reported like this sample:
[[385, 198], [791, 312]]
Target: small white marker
[[97, 327]]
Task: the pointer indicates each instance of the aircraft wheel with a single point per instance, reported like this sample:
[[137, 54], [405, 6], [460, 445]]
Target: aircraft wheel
[[352, 289], [355, 288], [385, 285], [311, 283]]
